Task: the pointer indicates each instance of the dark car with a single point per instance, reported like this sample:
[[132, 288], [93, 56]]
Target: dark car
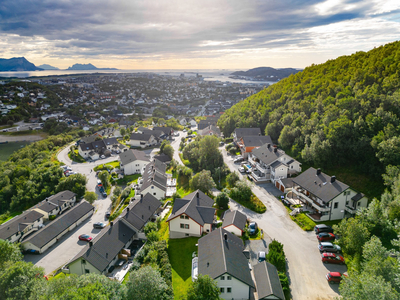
[[108, 214], [329, 247], [85, 237], [253, 228], [104, 195], [101, 189], [110, 269], [322, 228], [99, 225], [326, 237], [332, 258], [334, 277]]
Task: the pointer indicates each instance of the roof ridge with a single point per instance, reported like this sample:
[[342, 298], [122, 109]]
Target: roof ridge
[[223, 252]]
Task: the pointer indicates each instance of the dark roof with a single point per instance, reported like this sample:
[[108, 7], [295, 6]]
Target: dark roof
[[156, 133], [131, 155], [49, 232], [152, 176], [88, 139], [287, 182], [141, 210], [197, 205], [205, 123], [160, 166], [212, 129], [256, 141], [276, 164], [267, 280], [106, 245], [357, 197], [18, 223], [166, 130], [320, 185], [61, 197], [46, 206], [266, 153], [141, 136], [218, 256], [110, 141], [86, 146], [163, 158], [241, 132], [99, 144], [234, 218]]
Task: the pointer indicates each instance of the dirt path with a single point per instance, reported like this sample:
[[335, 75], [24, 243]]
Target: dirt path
[[20, 138]]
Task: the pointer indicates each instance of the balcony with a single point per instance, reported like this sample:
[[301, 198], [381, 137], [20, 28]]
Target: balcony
[[350, 209], [314, 204], [260, 177]]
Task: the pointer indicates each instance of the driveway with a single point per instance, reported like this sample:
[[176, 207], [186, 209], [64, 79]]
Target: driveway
[[306, 272], [175, 145]]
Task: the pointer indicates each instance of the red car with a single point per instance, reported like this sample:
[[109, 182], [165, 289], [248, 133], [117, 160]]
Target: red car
[[332, 258], [334, 277], [326, 237], [85, 237]]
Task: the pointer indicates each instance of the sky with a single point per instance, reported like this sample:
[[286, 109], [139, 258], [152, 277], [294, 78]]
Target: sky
[[194, 34]]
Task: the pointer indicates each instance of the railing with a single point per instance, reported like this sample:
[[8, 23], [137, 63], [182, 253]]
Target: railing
[[313, 203], [350, 209]]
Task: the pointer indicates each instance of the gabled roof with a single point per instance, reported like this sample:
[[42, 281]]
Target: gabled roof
[[18, 223], [54, 228], [88, 139], [140, 211], [212, 129], [61, 197], [197, 205], [267, 154], [320, 185], [235, 218], [131, 155], [86, 147], [357, 197], [46, 206], [267, 280], [110, 141], [152, 176], [163, 158], [160, 166], [141, 136], [166, 130], [218, 256], [106, 245], [241, 132], [256, 141]]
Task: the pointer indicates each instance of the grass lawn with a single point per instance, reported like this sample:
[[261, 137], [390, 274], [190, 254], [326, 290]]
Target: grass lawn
[[131, 194], [114, 164], [128, 179], [76, 157], [303, 220], [180, 255], [254, 204], [185, 161]]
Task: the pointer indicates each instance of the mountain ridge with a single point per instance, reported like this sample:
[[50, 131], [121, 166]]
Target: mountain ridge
[[88, 66], [266, 73], [15, 64]]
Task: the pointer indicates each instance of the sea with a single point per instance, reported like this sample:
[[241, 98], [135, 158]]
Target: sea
[[221, 75]]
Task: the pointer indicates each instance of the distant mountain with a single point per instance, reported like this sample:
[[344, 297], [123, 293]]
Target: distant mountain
[[265, 73], [17, 64], [87, 67], [47, 67]]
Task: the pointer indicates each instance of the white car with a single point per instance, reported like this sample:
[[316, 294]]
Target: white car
[[241, 170], [103, 156]]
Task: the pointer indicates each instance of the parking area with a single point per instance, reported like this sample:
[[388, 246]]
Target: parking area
[[271, 189], [255, 246]]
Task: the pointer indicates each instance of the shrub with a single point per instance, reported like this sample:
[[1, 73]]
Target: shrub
[[222, 201], [276, 256]]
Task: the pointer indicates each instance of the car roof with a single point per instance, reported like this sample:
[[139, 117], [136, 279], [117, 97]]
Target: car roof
[[329, 254], [326, 244], [324, 233], [335, 274], [322, 226]]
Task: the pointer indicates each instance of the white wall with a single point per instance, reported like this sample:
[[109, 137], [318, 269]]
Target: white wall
[[231, 228], [155, 191], [240, 290], [135, 167], [84, 154], [77, 267], [175, 227], [338, 213]]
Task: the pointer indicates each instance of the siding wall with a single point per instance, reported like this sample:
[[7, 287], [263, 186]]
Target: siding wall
[[240, 290], [175, 230]]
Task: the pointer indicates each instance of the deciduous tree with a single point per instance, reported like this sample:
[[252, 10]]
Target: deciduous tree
[[203, 288]]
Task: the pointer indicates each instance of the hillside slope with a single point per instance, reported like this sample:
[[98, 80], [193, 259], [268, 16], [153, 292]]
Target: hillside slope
[[343, 111], [267, 73], [17, 64]]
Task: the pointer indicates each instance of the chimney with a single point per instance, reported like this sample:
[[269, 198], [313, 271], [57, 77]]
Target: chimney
[[111, 224], [268, 145], [275, 149], [106, 254], [127, 209], [225, 236], [259, 134], [90, 244], [333, 179], [318, 171], [198, 195], [149, 207], [142, 217]]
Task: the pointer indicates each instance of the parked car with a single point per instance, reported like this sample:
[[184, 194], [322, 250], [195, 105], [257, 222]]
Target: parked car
[[108, 214], [85, 237], [99, 225], [332, 258], [110, 269], [102, 156], [253, 228], [120, 262], [98, 182], [221, 144], [261, 256], [241, 170], [322, 228], [334, 277], [326, 236], [329, 247], [238, 160], [104, 194], [101, 189]]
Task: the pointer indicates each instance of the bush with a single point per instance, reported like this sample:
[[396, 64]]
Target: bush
[[222, 201], [276, 256], [52, 217]]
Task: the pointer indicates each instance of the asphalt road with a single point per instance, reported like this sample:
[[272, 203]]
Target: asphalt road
[[69, 245], [306, 272], [175, 145]]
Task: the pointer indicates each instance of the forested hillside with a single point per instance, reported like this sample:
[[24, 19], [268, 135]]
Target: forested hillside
[[343, 111]]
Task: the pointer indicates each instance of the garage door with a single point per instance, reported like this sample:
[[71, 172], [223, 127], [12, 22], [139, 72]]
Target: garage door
[[277, 184], [282, 188]]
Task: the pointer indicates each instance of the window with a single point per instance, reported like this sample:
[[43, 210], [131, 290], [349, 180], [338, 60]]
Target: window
[[229, 290], [208, 230], [182, 216], [358, 203], [222, 290], [152, 186], [229, 278], [222, 277], [186, 226], [87, 271], [83, 261], [182, 225], [154, 194], [187, 217], [335, 205]]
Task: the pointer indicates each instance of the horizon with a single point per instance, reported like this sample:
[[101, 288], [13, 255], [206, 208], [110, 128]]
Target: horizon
[[148, 35]]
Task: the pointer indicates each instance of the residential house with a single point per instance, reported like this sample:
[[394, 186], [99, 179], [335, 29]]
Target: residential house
[[95, 149], [271, 164], [20, 226], [133, 161], [50, 234], [211, 130], [192, 215], [207, 122], [220, 256], [56, 204], [238, 133], [234, 222], [166, 130], [154, 180], [163, 158], [142, 140], [267, 281], [248, 143], [329, 198]]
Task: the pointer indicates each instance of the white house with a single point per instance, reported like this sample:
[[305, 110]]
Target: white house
[[220, 256], [133, 161], [329, 198], [20, 226], [234, 222], [154, 180], [142, 140], [56, 204], [191, 216], [270, 164]]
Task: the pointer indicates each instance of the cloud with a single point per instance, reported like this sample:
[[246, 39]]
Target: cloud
[[187, 29]]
